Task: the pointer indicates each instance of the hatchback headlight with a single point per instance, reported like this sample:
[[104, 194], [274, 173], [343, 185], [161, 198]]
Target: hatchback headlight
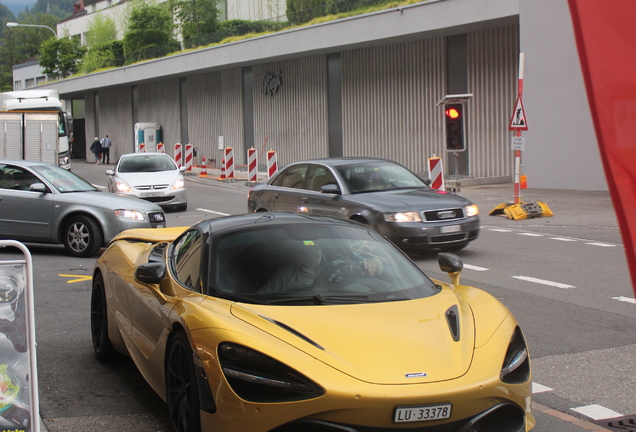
[[122, 187], [130, 214], [471, 210], [403, 217], [179, 184]]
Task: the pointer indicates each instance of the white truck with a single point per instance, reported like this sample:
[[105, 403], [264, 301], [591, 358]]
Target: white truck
[[33, 126]]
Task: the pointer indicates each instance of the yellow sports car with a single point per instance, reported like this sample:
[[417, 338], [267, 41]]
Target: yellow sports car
[[288, 322]]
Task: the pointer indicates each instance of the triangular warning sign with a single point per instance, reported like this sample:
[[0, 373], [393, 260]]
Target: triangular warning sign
[[518, 120]]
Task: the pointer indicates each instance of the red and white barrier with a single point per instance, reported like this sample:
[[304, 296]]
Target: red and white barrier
[[177, 155], [272, 166], [436, 173], [252, 157], [142, 148], [229, 163], [188, 157], [161, 148]]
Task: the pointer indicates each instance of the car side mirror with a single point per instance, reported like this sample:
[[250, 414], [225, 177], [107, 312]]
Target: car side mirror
[[110, 172], [183, 169], [330, 188], [151, 272], [38, 187], [451, 264]]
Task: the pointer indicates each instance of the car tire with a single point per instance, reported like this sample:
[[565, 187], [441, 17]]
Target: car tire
[[82, 236], [102, 347], [182, 391], [454, 247]]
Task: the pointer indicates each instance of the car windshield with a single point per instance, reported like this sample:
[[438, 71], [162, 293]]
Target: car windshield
[[378, 176], [63, 180], [146, 163], [317, 264]]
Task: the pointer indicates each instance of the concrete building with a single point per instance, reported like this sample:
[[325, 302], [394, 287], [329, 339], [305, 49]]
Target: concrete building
[[370, 85]]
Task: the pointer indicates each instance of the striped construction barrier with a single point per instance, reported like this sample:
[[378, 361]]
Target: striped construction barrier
[[252, 157], [272, 165], [229, 163], [188, 157], [177, 155], [436, 172], [142, 148], [161, 148]]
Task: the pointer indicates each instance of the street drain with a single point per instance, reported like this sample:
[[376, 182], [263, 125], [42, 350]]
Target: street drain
[[620, 424]]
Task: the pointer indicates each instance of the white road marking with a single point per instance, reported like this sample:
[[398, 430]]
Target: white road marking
[[212, 211], [596, 412], [625, 299], [601, 244], [499, 230], [543, 282], [562, 239], [531, 234], [476, 268], [538, 388]]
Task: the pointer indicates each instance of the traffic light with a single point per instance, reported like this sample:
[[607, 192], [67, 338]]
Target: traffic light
[[454, 115]]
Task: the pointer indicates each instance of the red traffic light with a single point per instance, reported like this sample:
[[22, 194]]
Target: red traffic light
[[452, 113]]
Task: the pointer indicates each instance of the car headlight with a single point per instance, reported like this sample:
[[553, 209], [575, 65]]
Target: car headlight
[[179, 184], [471, 210], [403, 217], [130, 214], [122, 187], [256, 377], [516, 365]]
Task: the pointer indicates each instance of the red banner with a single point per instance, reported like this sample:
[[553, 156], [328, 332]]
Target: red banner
[[605, 33]]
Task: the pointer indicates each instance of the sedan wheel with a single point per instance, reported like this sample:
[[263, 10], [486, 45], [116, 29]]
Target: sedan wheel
[[182, 391], [82, 236], [99, 320]]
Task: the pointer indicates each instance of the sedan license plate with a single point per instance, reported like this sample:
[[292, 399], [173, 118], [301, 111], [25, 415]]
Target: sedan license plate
[[422, 413], [450, 229], [151, 194]]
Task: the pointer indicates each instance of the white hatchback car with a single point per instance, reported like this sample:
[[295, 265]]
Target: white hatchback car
[[153, 177]]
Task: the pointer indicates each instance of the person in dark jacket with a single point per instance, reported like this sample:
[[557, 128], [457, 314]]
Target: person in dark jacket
[[96, 148]]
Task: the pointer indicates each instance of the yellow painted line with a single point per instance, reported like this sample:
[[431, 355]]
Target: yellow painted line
[[78, 278]]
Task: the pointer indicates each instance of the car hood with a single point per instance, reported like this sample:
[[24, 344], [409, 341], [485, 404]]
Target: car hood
[[403, 342], [409, 199], [107, 201], [148, 178]]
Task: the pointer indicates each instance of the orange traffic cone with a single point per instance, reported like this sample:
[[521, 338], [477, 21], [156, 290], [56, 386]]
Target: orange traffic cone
[[204, 172], [523, 181]]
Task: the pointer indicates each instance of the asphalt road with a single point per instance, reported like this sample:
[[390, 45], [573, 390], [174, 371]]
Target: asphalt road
[[564, 277]]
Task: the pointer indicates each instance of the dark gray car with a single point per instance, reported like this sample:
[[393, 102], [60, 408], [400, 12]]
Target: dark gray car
[[42, 203], [377, 192]]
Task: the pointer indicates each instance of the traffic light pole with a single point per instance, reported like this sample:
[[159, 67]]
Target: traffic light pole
[[518, 134]]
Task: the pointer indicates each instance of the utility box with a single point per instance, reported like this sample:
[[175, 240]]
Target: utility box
[[147, 136]]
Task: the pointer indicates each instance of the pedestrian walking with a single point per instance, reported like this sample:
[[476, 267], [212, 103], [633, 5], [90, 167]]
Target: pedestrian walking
[[106, 143], [96, 148]]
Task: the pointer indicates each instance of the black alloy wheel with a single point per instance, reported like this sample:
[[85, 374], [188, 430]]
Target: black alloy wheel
[[82, 236], [99, 320], [182, 392]]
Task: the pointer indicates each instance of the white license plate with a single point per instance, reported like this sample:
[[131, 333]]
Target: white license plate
[[422, 413], [151, 194], [450, 229]]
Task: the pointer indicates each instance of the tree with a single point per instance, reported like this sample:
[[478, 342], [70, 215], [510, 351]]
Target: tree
[[302, 11], [196, 17], [149, 32], [61, 57], [101, 29]]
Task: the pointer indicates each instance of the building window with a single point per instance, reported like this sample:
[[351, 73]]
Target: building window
[[30, 82], [109, 3], [40, 80], [17, 85]]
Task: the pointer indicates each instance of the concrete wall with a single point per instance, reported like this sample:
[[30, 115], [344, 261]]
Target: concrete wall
[[561, 149]]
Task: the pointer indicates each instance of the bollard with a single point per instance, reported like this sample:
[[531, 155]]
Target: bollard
[[177, 155], [252, 156], [272, 166]]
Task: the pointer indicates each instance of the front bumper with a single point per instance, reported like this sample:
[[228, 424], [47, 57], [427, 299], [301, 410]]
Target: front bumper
[[423, 235], [164, 198]]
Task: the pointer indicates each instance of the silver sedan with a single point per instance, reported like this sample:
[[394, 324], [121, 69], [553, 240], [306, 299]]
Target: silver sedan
[[42, 203], [153, 177]]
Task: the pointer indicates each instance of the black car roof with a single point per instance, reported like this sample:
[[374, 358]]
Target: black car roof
[[243, 220]]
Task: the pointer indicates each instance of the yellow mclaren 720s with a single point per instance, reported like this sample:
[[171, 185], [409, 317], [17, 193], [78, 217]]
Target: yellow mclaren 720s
[[289, 322]]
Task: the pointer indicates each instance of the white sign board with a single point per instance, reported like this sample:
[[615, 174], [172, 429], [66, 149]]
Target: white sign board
[[518, 143], [221, 144]]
